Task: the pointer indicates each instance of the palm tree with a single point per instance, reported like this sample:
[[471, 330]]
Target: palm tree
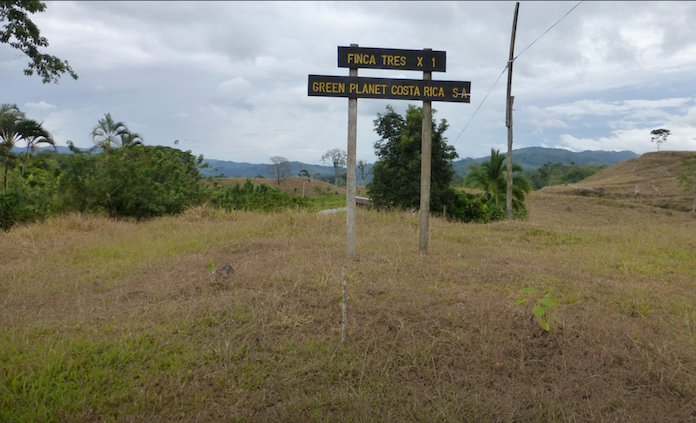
[[14, 127], [10, 116], [130, 139], [34, 133], [108, 133], [491, 177]]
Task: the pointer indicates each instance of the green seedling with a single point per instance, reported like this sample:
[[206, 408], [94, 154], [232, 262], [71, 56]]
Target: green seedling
[[211, 266], [541, 309]]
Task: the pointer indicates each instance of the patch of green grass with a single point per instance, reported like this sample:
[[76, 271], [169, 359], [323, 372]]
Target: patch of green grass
[[48, 377], [324, 202]]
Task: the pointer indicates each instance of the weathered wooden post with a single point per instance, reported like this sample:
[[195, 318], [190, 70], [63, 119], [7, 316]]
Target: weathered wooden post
[[426, 164], [351, 164]]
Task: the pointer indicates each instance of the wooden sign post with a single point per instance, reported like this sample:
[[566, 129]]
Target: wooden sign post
[[350, 171], [425, 90]]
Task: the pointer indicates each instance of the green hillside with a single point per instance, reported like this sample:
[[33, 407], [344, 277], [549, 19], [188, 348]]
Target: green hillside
[[531, 158]]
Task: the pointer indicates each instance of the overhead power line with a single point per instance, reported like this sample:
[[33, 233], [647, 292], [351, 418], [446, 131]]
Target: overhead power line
[[506, 66], [479, 107]]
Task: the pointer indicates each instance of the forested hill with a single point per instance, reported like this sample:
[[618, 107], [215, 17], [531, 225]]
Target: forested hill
[[531, 158]]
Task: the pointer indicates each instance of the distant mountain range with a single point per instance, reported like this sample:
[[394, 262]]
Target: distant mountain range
[[529, 158]]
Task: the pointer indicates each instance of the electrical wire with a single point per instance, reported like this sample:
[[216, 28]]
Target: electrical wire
[[479, 107], [506, 66]]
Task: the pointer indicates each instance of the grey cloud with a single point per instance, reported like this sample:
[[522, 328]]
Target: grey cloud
[[225, 76]]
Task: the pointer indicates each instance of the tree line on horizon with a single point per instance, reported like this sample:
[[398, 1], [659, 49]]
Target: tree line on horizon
[[123, 177]]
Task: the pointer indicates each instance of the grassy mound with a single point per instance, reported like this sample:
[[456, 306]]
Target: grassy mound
[[649, 180]]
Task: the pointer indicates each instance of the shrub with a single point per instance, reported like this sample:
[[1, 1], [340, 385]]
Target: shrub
[[137, 181], [246, 197], [10, 208], [467, 207]]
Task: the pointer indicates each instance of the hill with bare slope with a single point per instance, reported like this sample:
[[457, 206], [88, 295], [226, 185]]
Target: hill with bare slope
[[650, 180]]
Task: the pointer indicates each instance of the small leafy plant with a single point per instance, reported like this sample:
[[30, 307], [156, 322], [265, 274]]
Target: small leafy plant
[[211, 266], [541, 309]]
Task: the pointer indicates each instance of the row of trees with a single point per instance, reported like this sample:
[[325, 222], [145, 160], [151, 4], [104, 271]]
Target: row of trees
[[558, 173], [280, 168], [120, 177]]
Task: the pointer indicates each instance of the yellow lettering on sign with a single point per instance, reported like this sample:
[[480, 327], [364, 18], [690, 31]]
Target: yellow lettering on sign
[[393, 60], [420, 61], [433, 92], [455, 93], [354, 87], [329, 87], [370, 89], [405, 90], [362, 59]]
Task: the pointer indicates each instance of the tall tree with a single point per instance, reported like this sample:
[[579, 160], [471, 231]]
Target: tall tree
[[10, 116], [396, 174], [33, 133], [362, 166], [304, 174], [130, 139], [491, 177], [337, 158], [659, 136], [17, 30], [15, 127], [280, 168], [109, 133]]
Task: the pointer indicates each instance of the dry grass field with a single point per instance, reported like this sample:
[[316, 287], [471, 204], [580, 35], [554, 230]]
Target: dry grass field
[[104, 320]]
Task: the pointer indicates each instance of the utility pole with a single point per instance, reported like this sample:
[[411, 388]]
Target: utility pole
[[508, 116]]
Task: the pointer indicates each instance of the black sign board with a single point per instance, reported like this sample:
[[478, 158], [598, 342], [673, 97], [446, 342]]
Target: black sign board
[[384, 58], [385, 88]]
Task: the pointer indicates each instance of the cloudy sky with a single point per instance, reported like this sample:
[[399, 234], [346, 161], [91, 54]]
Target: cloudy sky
[[229, 79]]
